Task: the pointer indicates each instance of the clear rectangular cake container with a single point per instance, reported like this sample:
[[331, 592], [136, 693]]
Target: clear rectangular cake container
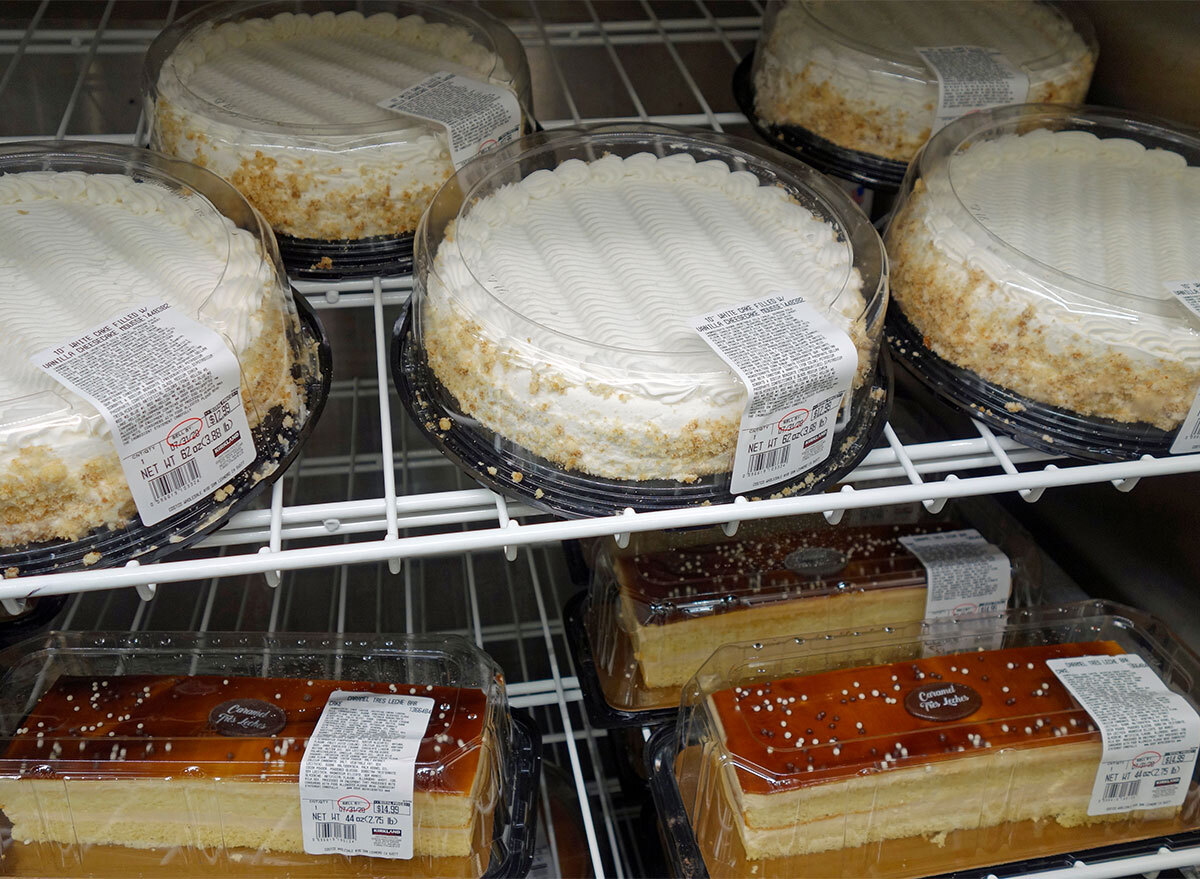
[[690, 765], [508, 748], [336, 177], [828, 576]]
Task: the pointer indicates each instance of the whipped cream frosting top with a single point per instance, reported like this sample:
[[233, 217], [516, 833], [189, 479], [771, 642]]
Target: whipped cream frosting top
[[325, 70], [603, 263], [77, 249], [1027, 33], [1106, 211], [1097, 226]]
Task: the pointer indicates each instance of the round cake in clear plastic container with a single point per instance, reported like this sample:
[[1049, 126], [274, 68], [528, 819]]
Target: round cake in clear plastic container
[[89, 234], [1034, 253], [550, 350], [281, 99], [843, 81], [943, 747]]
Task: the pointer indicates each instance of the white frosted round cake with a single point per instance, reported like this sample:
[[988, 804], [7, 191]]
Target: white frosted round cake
[[848, 70], [285, 108], [77, 249], [557, 309], [1039, 262]]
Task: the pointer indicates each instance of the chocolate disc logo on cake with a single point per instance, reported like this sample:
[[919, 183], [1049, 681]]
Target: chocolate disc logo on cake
[[249, 718], [942, 701], [815, 561]]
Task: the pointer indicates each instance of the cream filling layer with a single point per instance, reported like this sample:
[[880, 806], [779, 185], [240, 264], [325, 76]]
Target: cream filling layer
[[670, 654], [153, 813], [933, 799]]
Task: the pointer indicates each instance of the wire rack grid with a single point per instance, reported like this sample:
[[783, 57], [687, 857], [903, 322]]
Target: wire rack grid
[[368, 492]]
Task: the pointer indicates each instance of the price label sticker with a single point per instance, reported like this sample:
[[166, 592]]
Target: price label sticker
[[477, 116], [357, 774], [170, 391], [972, 78], [1150, 735], [966, 574], [797, 367]]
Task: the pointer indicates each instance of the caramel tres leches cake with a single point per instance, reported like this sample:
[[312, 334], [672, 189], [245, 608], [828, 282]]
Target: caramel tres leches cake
[[679, 605], [285, 109], [77, 249], [556, 311], [1039, 262], [149, 761], [848, 71], [849, 757]]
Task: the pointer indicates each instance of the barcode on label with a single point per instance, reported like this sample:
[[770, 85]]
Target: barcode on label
[[181, 477], [1121, 789], [333, 830], [768, 460]]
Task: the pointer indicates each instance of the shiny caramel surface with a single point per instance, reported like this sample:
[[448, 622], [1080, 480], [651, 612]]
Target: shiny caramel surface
[[161, 726], [828, 727], [670, 585]]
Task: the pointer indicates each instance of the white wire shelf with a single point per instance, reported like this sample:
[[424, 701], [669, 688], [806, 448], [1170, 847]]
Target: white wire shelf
[[371, 529], [265, 541]]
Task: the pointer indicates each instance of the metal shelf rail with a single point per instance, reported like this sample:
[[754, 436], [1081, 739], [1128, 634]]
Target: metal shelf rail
[[323, 550]]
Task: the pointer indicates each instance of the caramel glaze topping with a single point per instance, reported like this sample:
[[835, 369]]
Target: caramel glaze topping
[[827, 727], [669, 585], [155, 726]]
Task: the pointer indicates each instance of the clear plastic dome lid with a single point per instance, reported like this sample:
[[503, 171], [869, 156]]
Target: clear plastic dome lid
[[283, 100], [619, 251], [850, 73], [572, 265], [320, 69], [1036, 36], [1094, 213], [1039, 247], [93, 232]]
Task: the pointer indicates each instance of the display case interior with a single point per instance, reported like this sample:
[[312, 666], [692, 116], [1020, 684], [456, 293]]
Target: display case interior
[[72, 69]]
